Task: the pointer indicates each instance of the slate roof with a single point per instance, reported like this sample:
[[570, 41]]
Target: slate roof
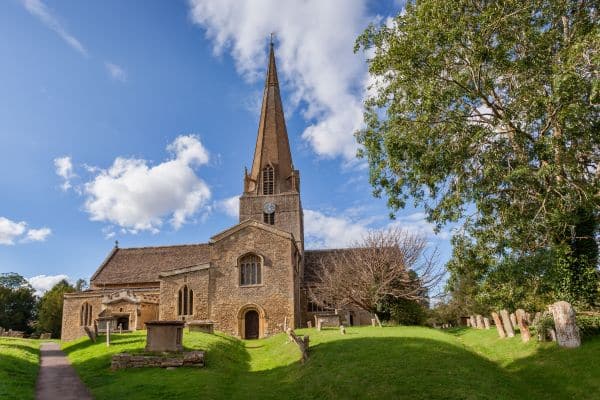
[[144, 264]]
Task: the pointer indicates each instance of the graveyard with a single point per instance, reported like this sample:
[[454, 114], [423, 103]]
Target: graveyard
[[366, 362]]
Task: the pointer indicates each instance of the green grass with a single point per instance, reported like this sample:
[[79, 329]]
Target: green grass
[[19, 364], [368, 362]]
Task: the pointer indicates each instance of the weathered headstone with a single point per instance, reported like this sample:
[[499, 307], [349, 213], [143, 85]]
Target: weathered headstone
[[468, 322], [499, 325], [523, 325], [486, 323], [479, 320], [164, 336], [567, 333], [309, 324], [507, 323], [513, 320], [473, 321], [342, 330]]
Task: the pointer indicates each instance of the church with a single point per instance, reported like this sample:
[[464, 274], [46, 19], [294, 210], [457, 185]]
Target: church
[[249, 280]]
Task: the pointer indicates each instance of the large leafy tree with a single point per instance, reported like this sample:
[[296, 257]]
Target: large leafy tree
[[17, 303], [50, 308], [487, 112]]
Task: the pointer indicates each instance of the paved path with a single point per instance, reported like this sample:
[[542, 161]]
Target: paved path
[[57, 379]]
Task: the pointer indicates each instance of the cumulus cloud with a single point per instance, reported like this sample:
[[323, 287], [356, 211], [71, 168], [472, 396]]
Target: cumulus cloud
[[116, 72], [137, 196], [230, 206], [334, 231], [11, 232], [64, 168], [315, 57], [38, 9], [43, 283]]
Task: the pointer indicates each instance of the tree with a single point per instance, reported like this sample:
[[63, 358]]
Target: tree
[[81, 285], [491, 120], [50, 308], [384, 264], [17, 303]]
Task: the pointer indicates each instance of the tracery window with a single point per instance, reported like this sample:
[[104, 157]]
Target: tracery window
[[85, 314], [185, 301], [268, 180], [250, 270]]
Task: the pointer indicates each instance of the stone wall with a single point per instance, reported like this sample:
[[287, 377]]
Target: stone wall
[[185, 359], [169, 289], [71, 328]]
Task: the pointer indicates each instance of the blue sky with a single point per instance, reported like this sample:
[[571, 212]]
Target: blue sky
[[134, 121]]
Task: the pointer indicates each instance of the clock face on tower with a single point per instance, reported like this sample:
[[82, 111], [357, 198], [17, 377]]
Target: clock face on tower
[[269, 208]]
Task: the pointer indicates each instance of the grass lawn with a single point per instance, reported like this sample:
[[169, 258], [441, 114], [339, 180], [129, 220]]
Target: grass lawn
[[19, 364], [368, 362]]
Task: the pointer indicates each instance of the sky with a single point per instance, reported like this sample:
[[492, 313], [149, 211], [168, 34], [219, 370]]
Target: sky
[[133, 121]]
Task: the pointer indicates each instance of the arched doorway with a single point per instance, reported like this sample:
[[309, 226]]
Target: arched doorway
[[251, 325]]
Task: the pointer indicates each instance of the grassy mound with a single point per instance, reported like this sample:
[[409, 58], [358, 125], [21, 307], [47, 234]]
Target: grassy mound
[[19, 364], [393, 362]]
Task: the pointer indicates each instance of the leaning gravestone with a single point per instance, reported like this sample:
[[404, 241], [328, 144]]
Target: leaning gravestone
[[513, 320], [486, 322], [523, 325], [499, 325], [507, 323], [479, 320], [567, 333]]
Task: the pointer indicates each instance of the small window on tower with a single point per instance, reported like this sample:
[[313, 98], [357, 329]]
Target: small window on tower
[[269, 218], [268, 180]]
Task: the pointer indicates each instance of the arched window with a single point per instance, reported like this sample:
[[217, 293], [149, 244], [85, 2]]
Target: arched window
[[85, 314], [250, 270], [185, 301], [268, 180]]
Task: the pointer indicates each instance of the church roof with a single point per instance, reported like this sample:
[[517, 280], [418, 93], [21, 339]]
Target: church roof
[[144, 264], [272, 143], [253, 223]]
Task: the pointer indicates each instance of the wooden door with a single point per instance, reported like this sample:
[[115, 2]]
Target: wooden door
[[251, 325]]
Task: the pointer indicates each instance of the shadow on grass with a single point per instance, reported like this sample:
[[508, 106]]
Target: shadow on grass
[[17, 377]]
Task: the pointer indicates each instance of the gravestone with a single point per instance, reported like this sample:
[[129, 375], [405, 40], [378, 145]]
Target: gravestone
[[342, 330], [45, 336], [164, 336], [328, 320], [486, 322], [468, 322], [479, 320], [523, 325], [309, 324], [473, 321], [507, 323], [567, 333], [499, 325], [513, 320]]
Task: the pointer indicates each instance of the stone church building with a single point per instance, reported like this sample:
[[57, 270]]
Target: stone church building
[[249, 280]]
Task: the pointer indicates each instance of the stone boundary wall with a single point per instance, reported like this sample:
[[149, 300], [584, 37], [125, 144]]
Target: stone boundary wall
[[185, 359]]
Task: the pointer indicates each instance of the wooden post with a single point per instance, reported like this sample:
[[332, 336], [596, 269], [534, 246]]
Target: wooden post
[[499, 325], [302, 343]]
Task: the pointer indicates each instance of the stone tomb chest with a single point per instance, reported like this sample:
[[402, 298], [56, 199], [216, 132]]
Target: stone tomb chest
[[164, 336], [327, 320], [201, 326]]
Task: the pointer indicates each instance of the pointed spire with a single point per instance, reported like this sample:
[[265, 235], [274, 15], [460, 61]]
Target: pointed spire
[[272, 143]]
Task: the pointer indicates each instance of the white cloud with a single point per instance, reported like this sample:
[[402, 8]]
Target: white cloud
[[137, 196], [230, 206], [116, 72], [64, 168], [37, 235], [38, 9], [329, 231], [43, 283], [11, 231], [315, 41]]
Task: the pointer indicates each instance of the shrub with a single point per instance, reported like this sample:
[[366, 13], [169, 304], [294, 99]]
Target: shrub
[[588, 325]]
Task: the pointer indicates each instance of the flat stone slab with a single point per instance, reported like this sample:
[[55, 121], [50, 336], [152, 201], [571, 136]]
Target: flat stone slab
[[57, 378]]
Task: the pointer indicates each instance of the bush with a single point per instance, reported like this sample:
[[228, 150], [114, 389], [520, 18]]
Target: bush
[[543, 325], [588, 325]]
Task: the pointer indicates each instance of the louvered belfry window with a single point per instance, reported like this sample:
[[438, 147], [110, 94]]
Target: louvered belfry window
[[185, 301], [268, 180], [250, 270]]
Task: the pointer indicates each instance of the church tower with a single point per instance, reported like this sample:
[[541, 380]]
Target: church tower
[[272, 188]]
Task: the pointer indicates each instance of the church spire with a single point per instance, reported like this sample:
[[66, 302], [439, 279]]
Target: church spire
[[272, 143]]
